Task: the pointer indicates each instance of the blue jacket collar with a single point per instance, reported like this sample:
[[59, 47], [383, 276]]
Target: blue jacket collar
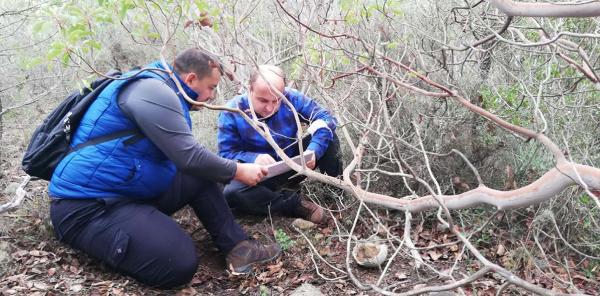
[[190, 92]]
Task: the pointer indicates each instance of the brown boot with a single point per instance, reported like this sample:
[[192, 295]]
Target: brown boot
[[249, 252], [309, 211]]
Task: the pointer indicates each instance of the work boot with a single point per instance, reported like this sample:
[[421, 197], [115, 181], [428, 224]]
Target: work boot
[[309, 211], [249, 252]]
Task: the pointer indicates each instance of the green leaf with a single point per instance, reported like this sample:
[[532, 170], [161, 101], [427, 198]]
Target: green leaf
[[77, 32], [75, 11], [154, 35], [585, 199], [346, 5], [392, 45], [65, 58], [124, 7], [77, 35], [201, 5], [92, 44], [56, 49], [85, 83], [344, 60], [39, 27], [103, 15]]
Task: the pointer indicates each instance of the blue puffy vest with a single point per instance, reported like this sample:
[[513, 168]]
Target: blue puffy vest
[[113, 169]]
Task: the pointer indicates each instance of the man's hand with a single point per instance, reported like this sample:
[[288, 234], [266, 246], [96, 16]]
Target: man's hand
[[311, 163], [264, 159], [250, 173]]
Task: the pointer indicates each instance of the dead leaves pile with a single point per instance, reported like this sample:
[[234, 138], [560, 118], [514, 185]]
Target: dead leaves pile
[[45, 273]]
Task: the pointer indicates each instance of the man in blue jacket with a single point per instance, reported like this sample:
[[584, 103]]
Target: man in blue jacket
[[238, 141], [113, 200]]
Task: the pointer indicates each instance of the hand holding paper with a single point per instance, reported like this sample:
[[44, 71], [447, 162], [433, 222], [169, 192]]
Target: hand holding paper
[[281, 167], [264, 159]]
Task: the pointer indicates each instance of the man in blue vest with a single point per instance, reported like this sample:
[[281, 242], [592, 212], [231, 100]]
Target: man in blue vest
[[113, 200], [238, 141]]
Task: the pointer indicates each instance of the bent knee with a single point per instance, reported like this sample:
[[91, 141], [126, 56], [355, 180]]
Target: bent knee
[[171, 268], [176, 272], [234, 198], [182, 271]]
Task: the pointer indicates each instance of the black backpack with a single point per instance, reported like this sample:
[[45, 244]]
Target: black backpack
[[50, 142]]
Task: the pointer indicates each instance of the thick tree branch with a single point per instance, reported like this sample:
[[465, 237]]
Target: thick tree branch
[[557, 9], [19, 196]]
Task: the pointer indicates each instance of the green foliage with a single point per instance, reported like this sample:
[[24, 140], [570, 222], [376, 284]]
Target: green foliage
[[484, 240], [586, 221], [533, 36], [283, 239], [124, 7], [530, 160], [296, 68], [517, 259], [489, 139], [592, 269], [201, 5], [506, 102], [579, 24], [585, 199], [264, 290], [356, 10], [391, 45], [76, 24], [81, 25], [30, 63]]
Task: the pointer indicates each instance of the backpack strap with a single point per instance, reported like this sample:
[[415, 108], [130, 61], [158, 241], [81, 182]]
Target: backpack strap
[[134, 132], [136, 135]]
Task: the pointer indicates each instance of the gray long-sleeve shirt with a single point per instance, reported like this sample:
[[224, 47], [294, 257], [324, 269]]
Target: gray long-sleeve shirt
[[157, 111]]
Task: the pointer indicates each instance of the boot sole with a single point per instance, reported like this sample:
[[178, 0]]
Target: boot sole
[[246, 269]]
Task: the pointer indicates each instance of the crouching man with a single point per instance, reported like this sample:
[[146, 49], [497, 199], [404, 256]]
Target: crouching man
[[238, 141], [113, 200]]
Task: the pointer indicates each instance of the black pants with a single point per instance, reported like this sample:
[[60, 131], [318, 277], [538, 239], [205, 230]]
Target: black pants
[[138, 238], [273, 194]]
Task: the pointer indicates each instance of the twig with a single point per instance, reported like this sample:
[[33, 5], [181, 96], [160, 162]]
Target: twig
[[37, 98], [18, 198], [413, 251]]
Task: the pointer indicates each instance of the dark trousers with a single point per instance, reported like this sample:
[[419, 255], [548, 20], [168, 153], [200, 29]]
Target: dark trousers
[[279, 194], [138, 238]]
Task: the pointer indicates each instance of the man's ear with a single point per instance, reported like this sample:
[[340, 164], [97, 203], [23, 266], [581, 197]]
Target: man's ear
[[189, 77]]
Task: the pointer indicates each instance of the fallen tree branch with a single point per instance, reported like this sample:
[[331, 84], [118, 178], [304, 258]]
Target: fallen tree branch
[[547, 186], [18, 198], [556, 9]]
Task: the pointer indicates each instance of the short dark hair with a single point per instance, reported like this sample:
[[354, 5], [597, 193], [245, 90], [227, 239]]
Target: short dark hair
[[197, 61]]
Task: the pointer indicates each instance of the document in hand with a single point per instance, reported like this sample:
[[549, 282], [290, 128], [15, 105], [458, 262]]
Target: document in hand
[[281, 167]]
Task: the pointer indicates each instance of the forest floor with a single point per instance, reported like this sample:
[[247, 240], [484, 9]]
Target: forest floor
[[33, 262]]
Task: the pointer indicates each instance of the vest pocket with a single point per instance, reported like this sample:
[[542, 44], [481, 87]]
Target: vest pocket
[[115, 172], [118, 249]]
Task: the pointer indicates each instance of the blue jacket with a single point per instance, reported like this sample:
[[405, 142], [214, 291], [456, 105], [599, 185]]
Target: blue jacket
[[237, 140], [113, 169]]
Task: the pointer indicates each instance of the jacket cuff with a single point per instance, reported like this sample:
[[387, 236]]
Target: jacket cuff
[[247, 157], [317, 148]]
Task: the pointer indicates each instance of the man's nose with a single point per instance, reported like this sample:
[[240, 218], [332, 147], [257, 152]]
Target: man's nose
[[211, 95]]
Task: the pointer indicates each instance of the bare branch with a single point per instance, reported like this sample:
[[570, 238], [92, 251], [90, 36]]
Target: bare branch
[[557, 9], [19, 196]]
